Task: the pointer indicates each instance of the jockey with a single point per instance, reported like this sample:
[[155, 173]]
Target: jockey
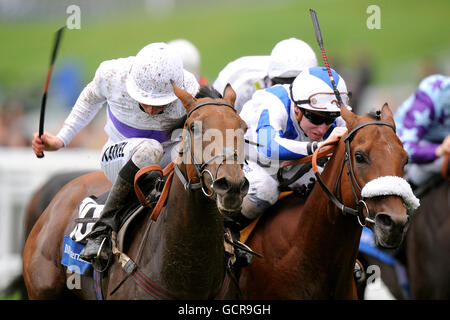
[[141, 107], [247, 74], [423, 125], [288, 122]]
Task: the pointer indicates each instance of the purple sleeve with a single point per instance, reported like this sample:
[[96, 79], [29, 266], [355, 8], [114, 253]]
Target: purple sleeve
[[415, 123]]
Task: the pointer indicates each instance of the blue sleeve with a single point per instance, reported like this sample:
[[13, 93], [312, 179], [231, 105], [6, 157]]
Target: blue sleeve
[[272, 143]]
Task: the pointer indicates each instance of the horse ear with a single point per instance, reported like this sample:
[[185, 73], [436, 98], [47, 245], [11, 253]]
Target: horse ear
[[349, 117], [229, 94], [387, 115], [184, 96]]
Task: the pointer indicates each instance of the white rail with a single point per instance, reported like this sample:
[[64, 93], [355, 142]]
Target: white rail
[[21, 173]]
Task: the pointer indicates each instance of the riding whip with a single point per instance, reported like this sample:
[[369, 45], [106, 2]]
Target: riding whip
[[49, 74], [315, 22]]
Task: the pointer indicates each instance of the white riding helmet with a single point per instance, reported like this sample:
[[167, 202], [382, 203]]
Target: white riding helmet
[[290, 57], [148, 80], [189, 54], [312, 90]]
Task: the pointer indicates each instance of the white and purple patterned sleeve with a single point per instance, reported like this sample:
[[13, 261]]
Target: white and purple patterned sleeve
[[413, 120]]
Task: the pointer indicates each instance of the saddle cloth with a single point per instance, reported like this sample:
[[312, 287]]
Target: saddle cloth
[[88, 213]]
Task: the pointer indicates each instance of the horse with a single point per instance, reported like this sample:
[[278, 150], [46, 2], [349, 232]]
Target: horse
[[428, 245], [310, 245], [181, 255], [425, 250]]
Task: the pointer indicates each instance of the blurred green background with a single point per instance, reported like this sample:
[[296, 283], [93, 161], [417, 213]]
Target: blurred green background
[[410, 32], [413, 41]]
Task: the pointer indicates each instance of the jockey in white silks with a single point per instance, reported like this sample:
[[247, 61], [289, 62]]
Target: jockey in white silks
[[247, 74], [141, 107]]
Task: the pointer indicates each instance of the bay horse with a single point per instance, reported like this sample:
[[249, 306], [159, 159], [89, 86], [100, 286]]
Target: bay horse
[[182, 252], [310, 245]]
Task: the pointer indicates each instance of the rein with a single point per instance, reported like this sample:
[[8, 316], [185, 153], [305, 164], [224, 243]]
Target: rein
[[360, 203], [331, 146], [128, 265]]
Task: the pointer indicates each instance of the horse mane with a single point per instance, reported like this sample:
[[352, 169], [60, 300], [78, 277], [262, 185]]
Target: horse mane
[[375, 115], [206, 91]]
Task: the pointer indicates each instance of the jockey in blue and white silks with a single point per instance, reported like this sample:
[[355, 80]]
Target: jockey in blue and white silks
[[288, 122], [423, 125]]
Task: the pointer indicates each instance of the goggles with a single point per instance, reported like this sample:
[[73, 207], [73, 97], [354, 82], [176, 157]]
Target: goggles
[[317, 119], [319, 100]]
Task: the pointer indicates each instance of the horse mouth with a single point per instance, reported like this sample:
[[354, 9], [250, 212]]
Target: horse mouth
[[388, 240], [227, 211]]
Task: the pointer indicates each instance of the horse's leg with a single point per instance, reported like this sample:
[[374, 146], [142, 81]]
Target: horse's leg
[[44, 275]]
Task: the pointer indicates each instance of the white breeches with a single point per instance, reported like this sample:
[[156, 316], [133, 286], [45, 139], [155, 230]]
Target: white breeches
[[142, 151], [420, 173], [263, 191]]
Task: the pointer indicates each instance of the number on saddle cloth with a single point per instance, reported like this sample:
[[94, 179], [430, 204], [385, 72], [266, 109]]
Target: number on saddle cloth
[[88, 213]]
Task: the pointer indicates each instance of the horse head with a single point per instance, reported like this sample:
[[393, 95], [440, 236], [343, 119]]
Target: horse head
[[376, 157], [213, 148]]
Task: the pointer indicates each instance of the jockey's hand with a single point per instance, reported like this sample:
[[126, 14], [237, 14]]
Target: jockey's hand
[[47, 142], [337, 133], [444, 148]]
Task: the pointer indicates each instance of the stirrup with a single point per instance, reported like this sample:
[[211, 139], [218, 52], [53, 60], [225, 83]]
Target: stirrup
[[241, 246], [99, 264], [359, 273]]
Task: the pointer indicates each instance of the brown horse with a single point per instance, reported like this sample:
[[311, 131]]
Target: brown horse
[[424, 252], [309, 245], [182, 252], [426, 247]]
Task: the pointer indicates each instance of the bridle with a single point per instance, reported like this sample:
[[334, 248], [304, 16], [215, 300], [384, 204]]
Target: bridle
[[360, 203], [200, 168], [130, 267]]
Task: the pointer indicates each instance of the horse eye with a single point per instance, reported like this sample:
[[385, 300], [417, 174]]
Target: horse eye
[[360, 157]]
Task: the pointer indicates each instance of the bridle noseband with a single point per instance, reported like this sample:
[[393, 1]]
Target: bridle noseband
[[360, 203], [200, 168]]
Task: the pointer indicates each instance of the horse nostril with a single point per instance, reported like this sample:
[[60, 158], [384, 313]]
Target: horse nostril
[[244, 186], [221, 186], [384, 220]]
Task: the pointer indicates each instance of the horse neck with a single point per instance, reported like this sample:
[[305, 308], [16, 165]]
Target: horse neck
[[332, 239], [192, 235]]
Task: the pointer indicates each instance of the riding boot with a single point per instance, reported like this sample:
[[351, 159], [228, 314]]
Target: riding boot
[[121, 193], [244, 257]]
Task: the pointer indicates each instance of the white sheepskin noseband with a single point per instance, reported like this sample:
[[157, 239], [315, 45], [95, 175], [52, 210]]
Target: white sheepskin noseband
[[391, 185]]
